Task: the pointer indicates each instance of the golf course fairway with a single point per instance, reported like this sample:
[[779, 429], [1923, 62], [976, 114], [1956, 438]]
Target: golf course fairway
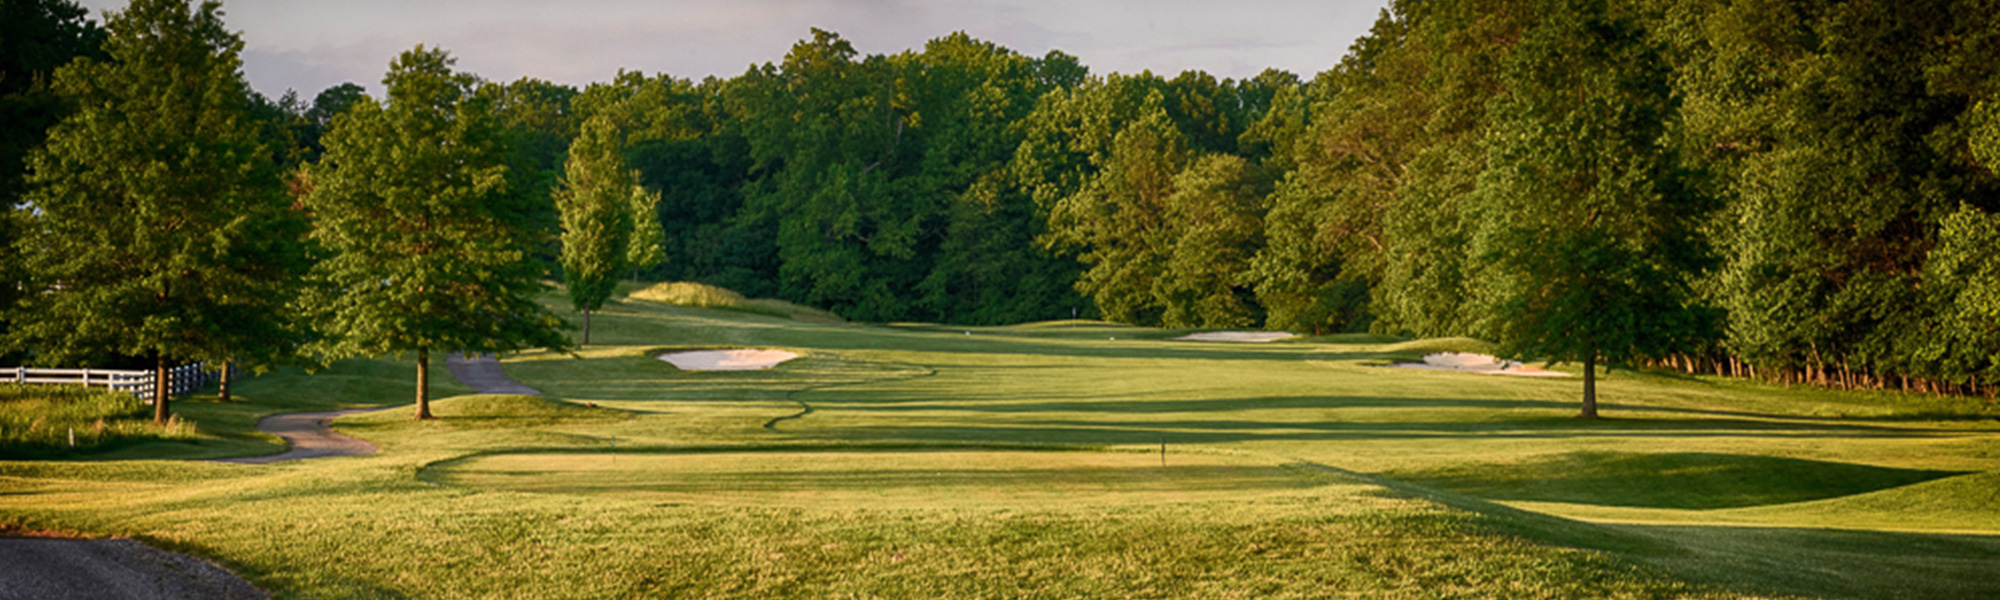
[[1052, 460]]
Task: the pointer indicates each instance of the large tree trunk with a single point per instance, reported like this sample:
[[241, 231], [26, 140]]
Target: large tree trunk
[[423, 384], [223, 394], [586, 327], [160, 391], [1589, 386]]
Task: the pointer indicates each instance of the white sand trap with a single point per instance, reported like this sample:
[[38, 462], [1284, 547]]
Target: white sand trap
[[746, 359], [1464, 362], [1255, 337]]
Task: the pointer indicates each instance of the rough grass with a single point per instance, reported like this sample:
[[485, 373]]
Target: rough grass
[[45, 421], [930, 461]]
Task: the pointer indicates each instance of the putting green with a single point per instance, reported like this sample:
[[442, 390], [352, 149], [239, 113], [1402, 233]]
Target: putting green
[[882, 479]]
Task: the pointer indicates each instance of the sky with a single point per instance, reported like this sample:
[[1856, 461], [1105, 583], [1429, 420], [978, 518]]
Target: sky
[[310, 45]]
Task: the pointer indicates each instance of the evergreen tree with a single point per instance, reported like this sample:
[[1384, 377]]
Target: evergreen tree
[[162, 228], [426, 242]]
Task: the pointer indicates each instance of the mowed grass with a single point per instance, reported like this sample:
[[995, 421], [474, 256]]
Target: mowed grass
[[885, 479], [933, 461]]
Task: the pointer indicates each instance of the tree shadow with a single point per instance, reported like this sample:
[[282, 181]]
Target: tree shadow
[[1687, 480], [1830, 563]]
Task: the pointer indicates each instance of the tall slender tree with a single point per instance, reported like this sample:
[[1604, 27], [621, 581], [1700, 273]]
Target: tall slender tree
[[426, 242], [162, 228], [595, 198]]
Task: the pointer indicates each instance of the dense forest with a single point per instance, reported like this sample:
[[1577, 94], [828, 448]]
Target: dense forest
[[1794, 190]]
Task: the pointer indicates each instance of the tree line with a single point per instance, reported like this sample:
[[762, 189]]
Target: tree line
[[1793, 190]]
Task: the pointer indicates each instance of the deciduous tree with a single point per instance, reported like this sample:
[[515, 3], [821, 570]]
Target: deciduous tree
[[1590, 244], [425, 241]]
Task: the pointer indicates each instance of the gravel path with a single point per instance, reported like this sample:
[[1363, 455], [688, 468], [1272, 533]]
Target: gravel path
[[482, 372], [56, 569], [311, 436]]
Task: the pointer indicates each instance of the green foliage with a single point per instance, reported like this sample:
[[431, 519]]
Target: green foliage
[[1827, 130], [161, 228], [36, 37], [538, 126], [1431, 71], [40, 421], [647, 243], [1962, 277], [425, 240], [1139, 181], [1985, 138], [595, 200]]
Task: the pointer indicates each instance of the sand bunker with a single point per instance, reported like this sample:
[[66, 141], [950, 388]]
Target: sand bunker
[[1477, 363], [1255, 337], [747, 359]]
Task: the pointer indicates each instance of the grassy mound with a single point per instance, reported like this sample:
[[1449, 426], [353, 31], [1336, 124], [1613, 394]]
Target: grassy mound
[[39, 421], [701, 295]]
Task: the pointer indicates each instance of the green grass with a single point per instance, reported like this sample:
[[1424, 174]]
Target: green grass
[[885, 478], [931, 461]]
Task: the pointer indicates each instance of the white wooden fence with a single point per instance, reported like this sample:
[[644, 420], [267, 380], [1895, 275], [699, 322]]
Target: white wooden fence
[[181, 380]]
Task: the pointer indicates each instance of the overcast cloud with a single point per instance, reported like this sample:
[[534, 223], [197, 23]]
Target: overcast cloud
[[309, 45]]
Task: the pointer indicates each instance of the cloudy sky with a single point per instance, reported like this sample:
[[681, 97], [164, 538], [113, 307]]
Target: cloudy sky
[[309, 45]]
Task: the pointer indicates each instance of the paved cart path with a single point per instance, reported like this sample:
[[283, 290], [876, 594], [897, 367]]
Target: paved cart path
[[61, 569], [311, 436], [482, 372]]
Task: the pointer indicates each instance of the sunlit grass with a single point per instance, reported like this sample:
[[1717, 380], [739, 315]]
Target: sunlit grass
[[937, 478], [935, 461]]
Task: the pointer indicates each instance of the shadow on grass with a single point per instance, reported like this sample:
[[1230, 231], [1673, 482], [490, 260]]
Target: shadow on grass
[[1829, 563], [1698, 481]]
